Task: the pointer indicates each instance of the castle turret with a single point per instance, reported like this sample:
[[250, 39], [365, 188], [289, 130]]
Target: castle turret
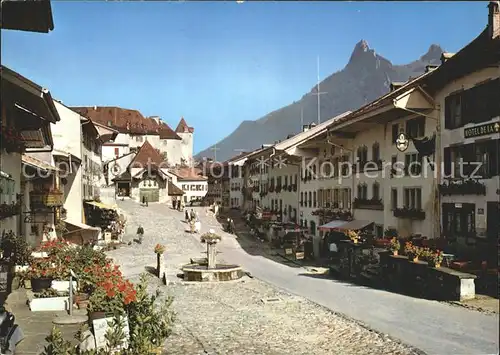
[[186, 133]]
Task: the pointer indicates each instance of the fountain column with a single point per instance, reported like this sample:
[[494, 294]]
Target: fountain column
[[211, 255]]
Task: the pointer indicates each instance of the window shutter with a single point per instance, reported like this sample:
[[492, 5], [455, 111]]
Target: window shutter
[[447, 112], [447, 161]]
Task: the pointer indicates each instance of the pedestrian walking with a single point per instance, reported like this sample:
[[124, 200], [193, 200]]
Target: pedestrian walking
[[140, 234], [186, 216], [192, 215], [145, 201]]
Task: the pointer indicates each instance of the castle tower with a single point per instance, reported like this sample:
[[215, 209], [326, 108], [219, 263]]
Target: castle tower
[[186, 133]]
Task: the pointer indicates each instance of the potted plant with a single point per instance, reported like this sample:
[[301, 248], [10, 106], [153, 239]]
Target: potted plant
[[411, 251], [110, 298], [394, 246], [435, 259], [353, 236], [159, 251], [40, 273]]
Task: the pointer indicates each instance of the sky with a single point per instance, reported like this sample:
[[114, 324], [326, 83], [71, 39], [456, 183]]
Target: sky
[[219, 63]]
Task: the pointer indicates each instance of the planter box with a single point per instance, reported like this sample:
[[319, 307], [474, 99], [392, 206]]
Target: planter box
[[49, 304], [63, 285]]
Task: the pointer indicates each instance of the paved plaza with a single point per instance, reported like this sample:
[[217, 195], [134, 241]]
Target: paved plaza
[[233, 317], [247, 316]]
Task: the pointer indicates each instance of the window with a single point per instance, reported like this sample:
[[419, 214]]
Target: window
[[379, 230], [336, 197], [394, 160], [309, 200], [336, 162], [462, 161], [301, 199], [413, 164], [362, 191], [475, 105], [286, 180], [362, 154], [376, 191], [415, 127], [117, 152], [394, 199], [314, 199], [375, 152], [413, 198], [395, 133], [345, 165]]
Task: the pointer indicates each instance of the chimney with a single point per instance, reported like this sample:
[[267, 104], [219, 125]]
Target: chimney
[[305, 128], [95, 108], [430, 67], [445, 56], [494, 19]]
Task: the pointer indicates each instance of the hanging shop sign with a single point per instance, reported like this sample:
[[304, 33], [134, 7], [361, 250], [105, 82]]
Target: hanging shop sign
[[482, 130], [402, 142]]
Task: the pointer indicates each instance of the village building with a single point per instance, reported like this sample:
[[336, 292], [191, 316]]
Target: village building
[[176, 147], [145, 178], [467, 89], [236, 181], [191, 181], [27, 110]]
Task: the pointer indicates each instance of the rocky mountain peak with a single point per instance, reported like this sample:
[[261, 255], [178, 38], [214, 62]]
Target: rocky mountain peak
[[361, 52], [434, 52]]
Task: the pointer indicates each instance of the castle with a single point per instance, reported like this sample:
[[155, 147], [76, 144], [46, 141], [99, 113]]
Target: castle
[[176, 147]]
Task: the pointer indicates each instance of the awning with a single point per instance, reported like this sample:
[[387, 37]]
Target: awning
[[78, 226], [100, 205], [355, 225], [332, 225]]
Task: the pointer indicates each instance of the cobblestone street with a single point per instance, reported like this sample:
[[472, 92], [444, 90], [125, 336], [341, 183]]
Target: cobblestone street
[[247, 316]]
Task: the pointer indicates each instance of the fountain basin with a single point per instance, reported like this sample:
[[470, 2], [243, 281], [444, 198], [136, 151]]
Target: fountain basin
[[221, 272]]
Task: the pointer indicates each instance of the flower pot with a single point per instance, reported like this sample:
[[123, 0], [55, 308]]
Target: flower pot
[[16, 283], [83, 304], [96, 315], [27, 284], [41, 284], [80, 297], [395, 252]]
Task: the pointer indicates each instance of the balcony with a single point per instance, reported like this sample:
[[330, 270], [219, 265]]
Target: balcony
[[46, 198], [409, 213], [9, 210], [368, 204], [467, 187]]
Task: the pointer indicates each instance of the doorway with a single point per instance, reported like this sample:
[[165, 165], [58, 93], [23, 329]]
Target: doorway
[[459, 220]]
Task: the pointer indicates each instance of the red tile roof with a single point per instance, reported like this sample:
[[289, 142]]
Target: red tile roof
[[174, 190], [127, 121], [183, 127], [147, 155], [187, 173]]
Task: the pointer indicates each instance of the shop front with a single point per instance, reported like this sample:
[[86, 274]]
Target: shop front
[[107, 218]]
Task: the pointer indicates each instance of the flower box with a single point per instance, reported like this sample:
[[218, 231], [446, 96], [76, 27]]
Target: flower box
[[62, 285], [49, 304], [48, 199], [368, 204], [409, 213], [467, 187]]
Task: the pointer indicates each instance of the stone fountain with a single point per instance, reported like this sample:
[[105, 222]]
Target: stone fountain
[[208, 269]]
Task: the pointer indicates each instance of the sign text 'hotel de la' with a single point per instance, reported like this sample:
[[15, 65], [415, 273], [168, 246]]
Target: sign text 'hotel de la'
[[482, 130]]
